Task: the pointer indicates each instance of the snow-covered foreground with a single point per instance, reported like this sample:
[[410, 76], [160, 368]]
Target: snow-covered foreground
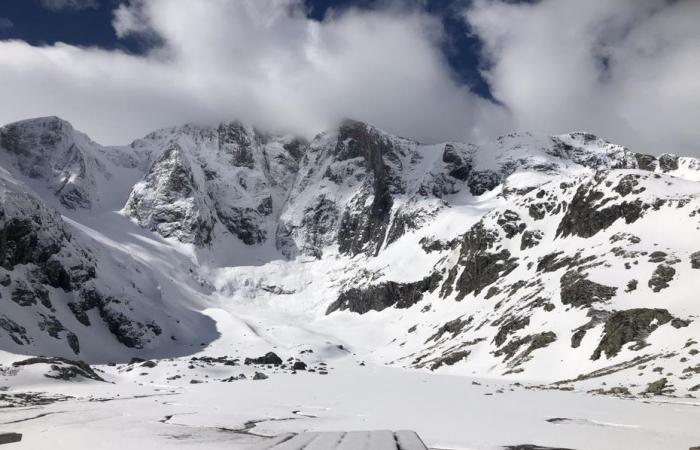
[[192, 403], [449, 412]]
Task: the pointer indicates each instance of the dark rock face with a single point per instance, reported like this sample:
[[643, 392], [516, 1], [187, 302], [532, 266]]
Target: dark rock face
[[451, 156], [482, 266], [509, 327], [586, 216], [26, 241], [384, 295], [578, 291], [131, 333], [695, 260], [533, 342], [299, 365], [657, 257], [450, 359], [457, 165], [318, 224], [597, 317], [54, 328], [16, 332], [62, 369], [430, 245], [25, 296], [658, 387], [511, 223], [632, 325], [170, 207], [530, 239], [269, 358], [453, 327], [19, 243], [627, 185], [668, 162], [243, 223], [362, 228], [235, 140], [480, 182], [645, 162], [403, 222], [661, 277]]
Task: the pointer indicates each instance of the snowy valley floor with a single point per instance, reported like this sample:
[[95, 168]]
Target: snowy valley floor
[[161, 408]]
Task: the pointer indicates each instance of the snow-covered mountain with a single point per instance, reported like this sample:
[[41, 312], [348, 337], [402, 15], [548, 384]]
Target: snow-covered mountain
[[550, 259]]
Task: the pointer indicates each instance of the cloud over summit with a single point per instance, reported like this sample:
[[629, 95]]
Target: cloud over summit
[[624, 69]]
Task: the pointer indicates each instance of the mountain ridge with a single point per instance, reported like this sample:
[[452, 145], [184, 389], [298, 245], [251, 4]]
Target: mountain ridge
[[497, 259]]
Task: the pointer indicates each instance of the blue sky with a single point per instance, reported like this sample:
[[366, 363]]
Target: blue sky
[[434, 70]]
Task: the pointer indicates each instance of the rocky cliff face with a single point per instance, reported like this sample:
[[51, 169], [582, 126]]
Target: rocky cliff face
[[201, 182], [53, 154], [66, 290], [565, 258], [53, 288]]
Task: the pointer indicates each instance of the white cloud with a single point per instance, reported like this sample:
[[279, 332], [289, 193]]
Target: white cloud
[[76, 5], [626, 69], [261, 61]]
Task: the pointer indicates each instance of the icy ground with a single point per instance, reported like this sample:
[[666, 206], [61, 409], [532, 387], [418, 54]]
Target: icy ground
[[448, 412], [153, 408]]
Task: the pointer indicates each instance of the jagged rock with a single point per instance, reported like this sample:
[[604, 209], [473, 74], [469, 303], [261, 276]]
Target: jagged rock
[[586, 215], [533, 342], [511, 224], [269, 358], [357, 191], [61, 368], [530, 239], [25, 296], [363, 228], [627, 184], [166, 203], [509, 327], [695, 260], [50, 151], [646, 162], [481, 266], [668, 162], [632, 325], [578, 291], [661, 277], [131, 333], [480, 182], [430, 245], [657, 257], [381, 296], [450, 359], [658, 387], [17, 332], [597, 317], [454, 327]]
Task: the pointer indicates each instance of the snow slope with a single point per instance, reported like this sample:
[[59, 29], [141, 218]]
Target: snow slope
[[558, 262]]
